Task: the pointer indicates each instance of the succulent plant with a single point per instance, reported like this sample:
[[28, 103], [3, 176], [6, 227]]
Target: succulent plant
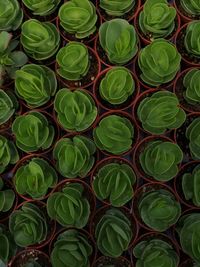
[[8, 153], [69, 207], [117, 8], [160, 112], [157, 19], [193, 134], [159, 62], [32, 263], [28, 225], [33, 132], [117, 85], [7, 198], [155, 253], [114, 181], [76, 110], [191, 7], [160, 159], [191, 83], [191, 186], [40, 40], [35, 84], [71, 249], [8, 247], [119, 40], [78, 18], [113, 233], [74, 156], [73, 61], [192, 38], [114, 134], [35, 178], [11, 15], [159, 209], [41, 8], [10, 59], [188, 228]]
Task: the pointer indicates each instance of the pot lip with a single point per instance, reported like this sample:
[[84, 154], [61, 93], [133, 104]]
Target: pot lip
[[121, 258], [183, 17], [134, 95]]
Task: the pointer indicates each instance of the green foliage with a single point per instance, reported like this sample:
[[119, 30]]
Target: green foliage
[[117, 8], [8, 247], [114, 134], [192, 38], [191, 7], [193, 134], [32, 263], [41, 7], [8, 106], [119, 40], [7, 198], [191, 83]]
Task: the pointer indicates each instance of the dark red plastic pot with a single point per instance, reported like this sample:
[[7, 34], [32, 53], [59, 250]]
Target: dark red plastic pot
[[184, 16], [30, 254], [187, 263], [106, 105], [107, 261]]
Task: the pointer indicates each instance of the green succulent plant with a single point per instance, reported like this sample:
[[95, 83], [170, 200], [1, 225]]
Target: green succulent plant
[[10, 59], [40, 40], [8, 106], [11, 15], [159, 62], [73, 61], [155, 253], [33, 132], [160, 160], [193, 134], [115, 181], [35, 84], [113, 233], [8, 247], [8, 153], [78, 18], [32, 263], [76, 110], [28, 225], [71, 249], [157, 19], [114, 134], [191, 83], [159, 209], [74, 156], [41, 8], [192, 38], [119, 40], [35, 178], [7, 198], [160, 112], [70, 207], [191, 7], [191, 186], [117, 8], [188, 228], [117, 85]]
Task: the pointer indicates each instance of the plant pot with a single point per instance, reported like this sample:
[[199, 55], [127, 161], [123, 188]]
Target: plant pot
[[184, 16], [116, 262], [106, 105], [187, 263], [28, 254]]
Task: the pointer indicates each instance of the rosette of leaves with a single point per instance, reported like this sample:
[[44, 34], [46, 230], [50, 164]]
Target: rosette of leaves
[[188, 228], [193, 134], [35, 178], [159, 62], [41, 8], [191, 7], [117, 85], [192, 38], [113, 233], [71, 249], [76, 110], [7, 198], [8, 247], [70, 207], [8, 153], [74, 156], [191, 186], [28, 225], [32, 263], [159, 209], [155, 253], [115, 181], [11, 15], [73, 61], [119, 40], [161, 112], [35, 84], [33, 132], [40, 40], [157, 19], [8, 106], [78, 18], [114, 134], [117, 8], [160, 159], [191, 83], [10, 59]]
